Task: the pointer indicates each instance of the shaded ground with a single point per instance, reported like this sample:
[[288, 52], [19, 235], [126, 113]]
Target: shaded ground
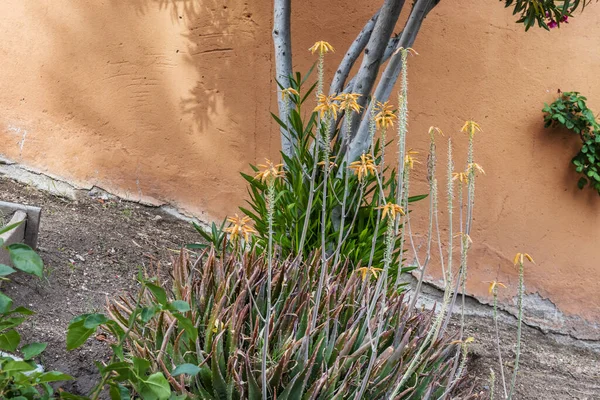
[[93, 248]]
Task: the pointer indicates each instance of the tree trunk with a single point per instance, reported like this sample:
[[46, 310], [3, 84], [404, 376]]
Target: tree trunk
[[282, 40]]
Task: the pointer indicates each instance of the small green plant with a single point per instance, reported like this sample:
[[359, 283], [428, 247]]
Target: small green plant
[[20, 377], [569, 110]]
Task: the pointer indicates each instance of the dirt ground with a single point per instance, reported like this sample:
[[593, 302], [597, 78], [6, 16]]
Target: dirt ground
[[92, 248]]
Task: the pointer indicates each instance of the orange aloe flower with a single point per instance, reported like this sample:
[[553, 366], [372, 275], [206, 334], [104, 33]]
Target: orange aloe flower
[[322, 47], [269, 171], [520, 258], [365, 270], [288, 93], [391, 209], [494, 285], [239, 227], [409, 159], [327, 105], [348, 101], [363, 167], [471, 127], [385, 116]]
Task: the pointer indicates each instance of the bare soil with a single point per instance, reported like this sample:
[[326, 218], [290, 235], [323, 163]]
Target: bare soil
[[94, 247]]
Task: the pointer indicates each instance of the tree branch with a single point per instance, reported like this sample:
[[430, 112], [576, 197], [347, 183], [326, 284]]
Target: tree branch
[[282, 40], [352, 55], [375, 50], [360, 142]]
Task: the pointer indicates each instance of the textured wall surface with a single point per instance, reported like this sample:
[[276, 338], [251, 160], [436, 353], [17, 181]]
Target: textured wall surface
[[166, 100]]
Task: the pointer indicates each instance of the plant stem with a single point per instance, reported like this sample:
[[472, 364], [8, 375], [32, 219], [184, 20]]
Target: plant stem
[[265, 350], [519, 325], [495, 293]]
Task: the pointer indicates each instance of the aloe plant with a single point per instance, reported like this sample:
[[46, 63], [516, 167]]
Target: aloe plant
[[201, 331]]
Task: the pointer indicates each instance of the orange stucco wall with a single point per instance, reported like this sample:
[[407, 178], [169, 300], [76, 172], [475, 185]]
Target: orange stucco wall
[[166, 100]]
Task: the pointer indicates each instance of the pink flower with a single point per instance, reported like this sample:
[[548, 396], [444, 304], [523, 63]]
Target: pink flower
[[565, 19], [552, 24]]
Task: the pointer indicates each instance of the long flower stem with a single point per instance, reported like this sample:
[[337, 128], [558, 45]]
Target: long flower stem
[[348, 122], [495, 293], [265, 350], [513, 382], [325, 148]]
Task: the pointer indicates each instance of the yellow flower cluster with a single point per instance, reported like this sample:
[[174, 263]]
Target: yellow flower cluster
[[365, 270], [363, 167], [329, 104], [410, 160], [269, 172], [239, 227], [391, 209], [471, 127], [321, 47], [384, 116]]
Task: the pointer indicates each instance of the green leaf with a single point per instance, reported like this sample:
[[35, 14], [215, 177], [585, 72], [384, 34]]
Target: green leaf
[[180, 305], [8, 228], [159, 293], [25, 259], [32, 350], [140, 366], [188, 369], [17, 366], [155, 387], [147, 313], [187, 325], [5, 270], [93, 321], [82, 327], [119, 392], [9, 340], [54, 376], [5, 303], [412, 199]]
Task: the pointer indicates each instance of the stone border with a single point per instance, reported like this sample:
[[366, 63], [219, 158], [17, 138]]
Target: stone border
[[31, 225]]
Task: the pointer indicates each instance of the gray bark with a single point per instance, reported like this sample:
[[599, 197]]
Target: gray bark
[[282, 40], [352, 55], [375, 49], [361, 141]]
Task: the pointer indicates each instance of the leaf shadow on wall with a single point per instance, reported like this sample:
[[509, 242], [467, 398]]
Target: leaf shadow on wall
[[152, 116]]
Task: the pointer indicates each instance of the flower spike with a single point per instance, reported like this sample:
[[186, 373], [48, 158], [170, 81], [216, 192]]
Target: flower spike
[[270, 171], [321, 47], [471, 127], [363, 167], [494, 285], [239, 227], [327, 105], [520, 258], [391, 209]]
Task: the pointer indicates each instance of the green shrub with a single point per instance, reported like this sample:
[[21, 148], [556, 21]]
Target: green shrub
[[570, 111], [295, 232]]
